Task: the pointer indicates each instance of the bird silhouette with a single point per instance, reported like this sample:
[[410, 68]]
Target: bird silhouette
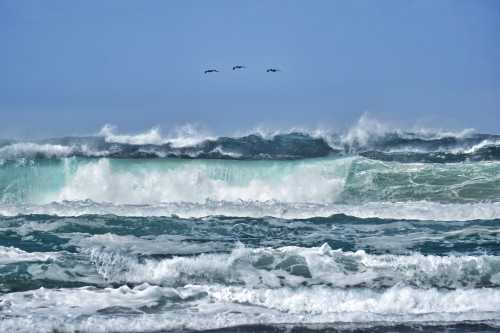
[[238, 67], [211, 71], [272, 70]]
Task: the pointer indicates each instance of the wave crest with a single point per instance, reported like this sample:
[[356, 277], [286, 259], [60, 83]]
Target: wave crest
[[368, 136], [297, 266]]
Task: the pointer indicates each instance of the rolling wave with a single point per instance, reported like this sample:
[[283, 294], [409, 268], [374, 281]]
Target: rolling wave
[[148, 308], [326, 181], [297, 266], [367, 137], [267, 268]]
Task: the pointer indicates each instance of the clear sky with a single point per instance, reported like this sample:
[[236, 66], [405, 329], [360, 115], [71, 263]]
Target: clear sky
[[69, 67]]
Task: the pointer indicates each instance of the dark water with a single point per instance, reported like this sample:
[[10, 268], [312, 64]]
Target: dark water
[[288, 233]]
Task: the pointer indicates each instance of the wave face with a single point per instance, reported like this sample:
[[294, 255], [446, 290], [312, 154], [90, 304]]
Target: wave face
[[374, 229]]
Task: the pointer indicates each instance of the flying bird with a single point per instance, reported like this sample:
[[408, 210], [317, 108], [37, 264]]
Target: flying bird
[[272, 70], [238, 67], [211, 71]]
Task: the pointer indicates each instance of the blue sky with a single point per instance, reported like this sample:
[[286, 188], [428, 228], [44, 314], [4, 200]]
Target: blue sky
[[69, 67]]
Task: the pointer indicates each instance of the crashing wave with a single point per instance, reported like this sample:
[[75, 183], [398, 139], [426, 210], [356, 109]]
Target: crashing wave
[[297, 266], [368, 136], [326, 181], [148, 308]]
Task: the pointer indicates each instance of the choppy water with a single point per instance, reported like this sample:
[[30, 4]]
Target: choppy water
[[286, 233]]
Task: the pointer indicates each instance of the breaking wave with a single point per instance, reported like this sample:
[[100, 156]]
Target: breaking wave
[[295, 267], [215, 306], [368, 137], [329, 181]]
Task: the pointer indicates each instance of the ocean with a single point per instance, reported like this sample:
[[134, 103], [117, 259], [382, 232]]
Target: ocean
[[395, 231]]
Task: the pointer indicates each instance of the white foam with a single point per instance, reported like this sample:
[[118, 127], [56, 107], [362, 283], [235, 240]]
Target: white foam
[[187, 135], [365, 130], [465, 149], [160, 244], [323, 181], [196, 182], [29, 150], [221, 151], [369, 129], [475, 148], [292, 266], [363, 304], [218, 306], [9, 255], [80, 301], [152, 136], [420, 210], [436, 134]]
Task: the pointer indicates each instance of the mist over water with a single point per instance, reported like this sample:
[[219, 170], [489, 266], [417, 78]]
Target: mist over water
[[372, 229]]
